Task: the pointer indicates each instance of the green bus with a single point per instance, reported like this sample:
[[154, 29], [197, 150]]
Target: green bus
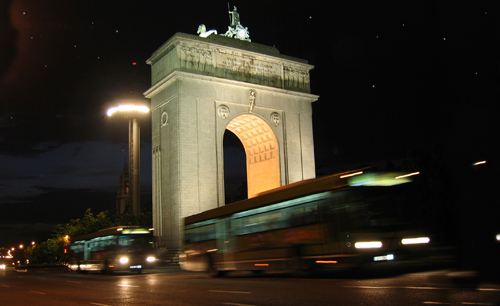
[[118, 248], [341, 220]]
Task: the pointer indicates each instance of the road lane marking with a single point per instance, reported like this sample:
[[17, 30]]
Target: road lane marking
[[416, 288], [99, 304], [224, 291], [370, 287], [396, 287], [425, 288], [436, 303], [5, 286], [126, 286], [38, 292]]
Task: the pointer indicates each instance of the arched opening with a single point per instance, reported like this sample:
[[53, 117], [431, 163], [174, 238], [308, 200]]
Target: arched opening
[[261, 150], [235, 170]]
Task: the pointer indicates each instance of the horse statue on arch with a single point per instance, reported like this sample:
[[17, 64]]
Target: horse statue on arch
[[202, 31]]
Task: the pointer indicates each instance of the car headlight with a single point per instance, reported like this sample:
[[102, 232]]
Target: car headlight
[[368, 245], [150, 259], [419, 240], [123, 260]]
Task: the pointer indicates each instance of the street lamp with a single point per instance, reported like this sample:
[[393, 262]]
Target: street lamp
[[134, 144]]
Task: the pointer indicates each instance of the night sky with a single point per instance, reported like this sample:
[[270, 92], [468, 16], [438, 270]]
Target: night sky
[[394, 77]]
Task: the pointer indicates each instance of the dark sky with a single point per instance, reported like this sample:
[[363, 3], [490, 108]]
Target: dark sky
[[392, 76]]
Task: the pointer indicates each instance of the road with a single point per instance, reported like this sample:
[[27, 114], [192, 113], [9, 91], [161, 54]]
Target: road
[[176, 287]]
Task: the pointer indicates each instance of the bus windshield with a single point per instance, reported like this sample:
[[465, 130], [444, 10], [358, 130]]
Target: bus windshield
[[113, 249], [364, 208]]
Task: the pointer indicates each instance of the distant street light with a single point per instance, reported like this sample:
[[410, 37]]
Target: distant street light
[[134, 144]]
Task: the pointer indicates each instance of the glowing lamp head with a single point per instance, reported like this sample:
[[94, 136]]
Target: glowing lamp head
[[128, 108]]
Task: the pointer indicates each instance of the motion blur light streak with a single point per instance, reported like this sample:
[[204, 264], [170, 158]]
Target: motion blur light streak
[[368, 245], [407, 175], [352, 174], [419, 240], [479, 163]]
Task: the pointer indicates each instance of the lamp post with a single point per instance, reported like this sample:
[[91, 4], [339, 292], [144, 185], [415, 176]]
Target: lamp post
[[134, 144]]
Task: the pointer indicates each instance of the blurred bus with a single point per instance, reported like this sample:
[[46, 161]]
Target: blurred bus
[[113, 249], [343, 220]]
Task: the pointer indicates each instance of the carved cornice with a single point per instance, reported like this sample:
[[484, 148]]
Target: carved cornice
[[219, 58]]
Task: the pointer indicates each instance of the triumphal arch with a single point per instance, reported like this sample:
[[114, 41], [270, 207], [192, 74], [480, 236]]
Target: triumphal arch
[[203, 86]]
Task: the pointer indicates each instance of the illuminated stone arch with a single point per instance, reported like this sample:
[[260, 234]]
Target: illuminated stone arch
[[261, 149], [203, 87]]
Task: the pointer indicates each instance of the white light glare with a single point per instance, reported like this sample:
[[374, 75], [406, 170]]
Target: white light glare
[[419, 240], [150, 259], [498, 237], [368, 245], [128, 108], [123, 260]]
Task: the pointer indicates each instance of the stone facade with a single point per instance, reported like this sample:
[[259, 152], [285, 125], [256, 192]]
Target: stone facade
[[202, 87]]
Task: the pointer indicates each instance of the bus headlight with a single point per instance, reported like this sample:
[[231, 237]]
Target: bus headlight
[[419, 240], [368, 245], [123, 260], [150, 259]]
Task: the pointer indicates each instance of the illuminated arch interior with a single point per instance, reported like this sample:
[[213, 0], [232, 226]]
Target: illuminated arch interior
[[261, 148]]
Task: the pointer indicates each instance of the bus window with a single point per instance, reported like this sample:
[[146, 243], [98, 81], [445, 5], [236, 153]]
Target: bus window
[[303, 215], [199, 233]]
